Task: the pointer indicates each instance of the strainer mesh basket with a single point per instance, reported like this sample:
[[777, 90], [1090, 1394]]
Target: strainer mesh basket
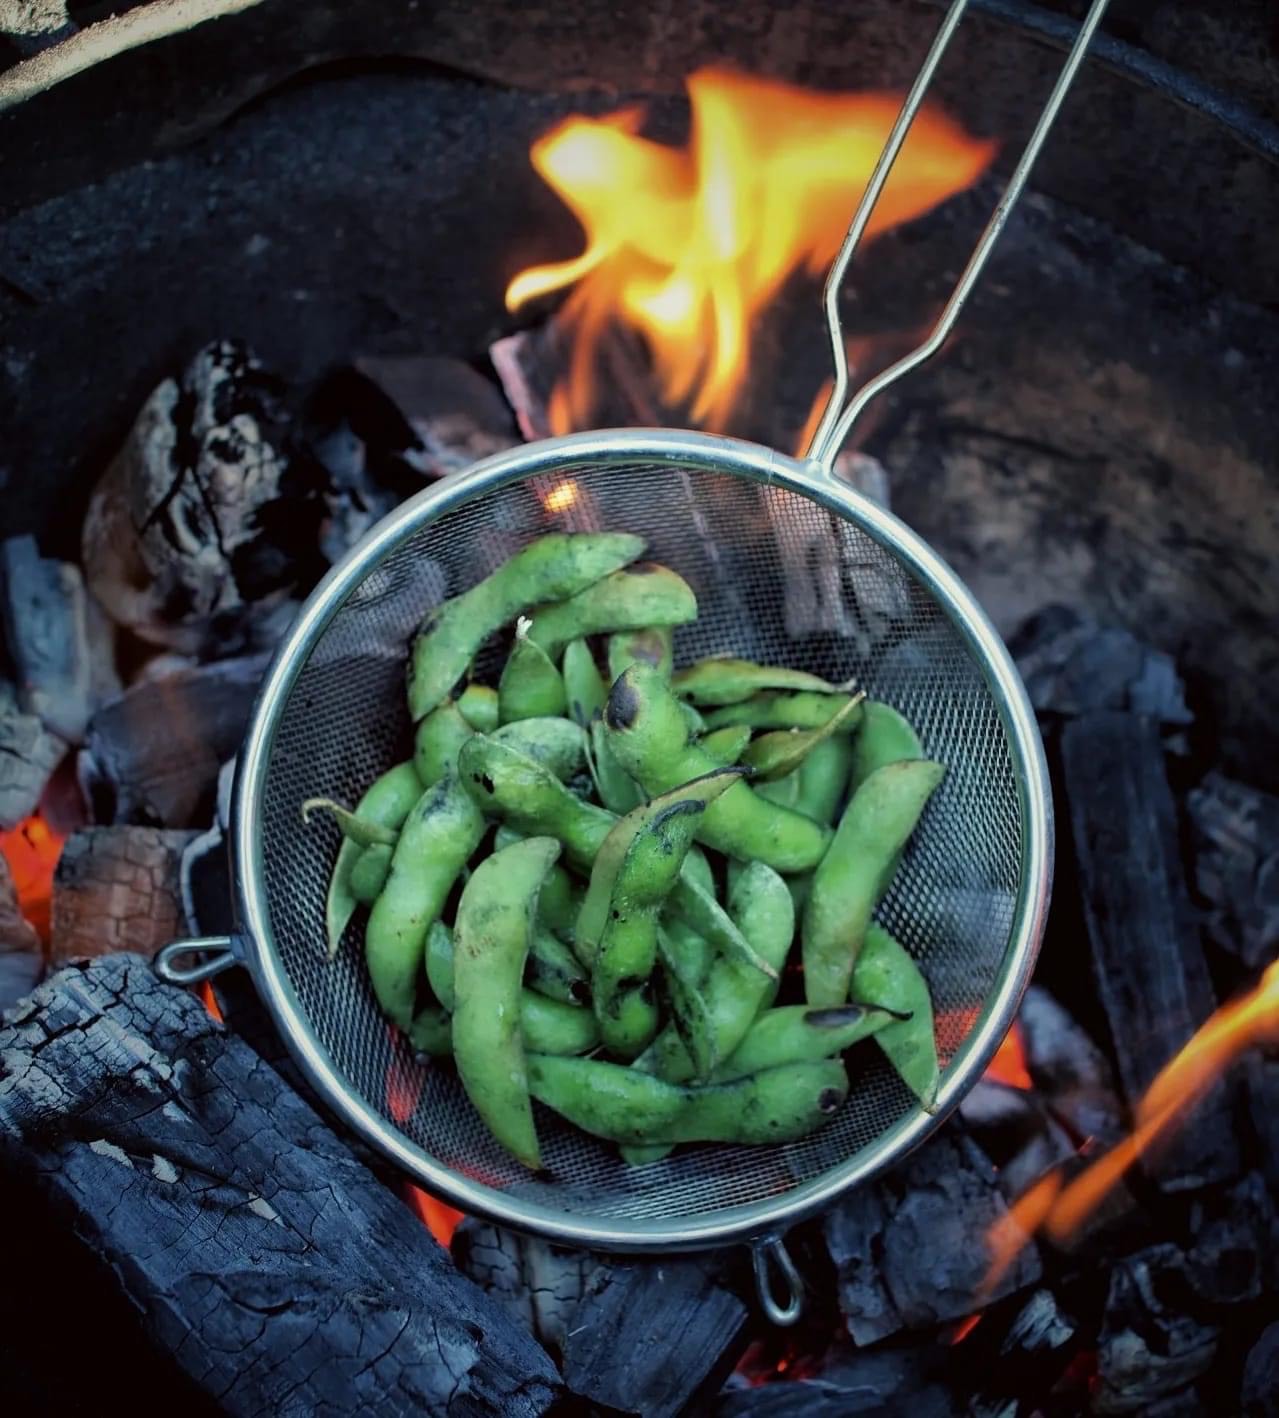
[[767, 564]]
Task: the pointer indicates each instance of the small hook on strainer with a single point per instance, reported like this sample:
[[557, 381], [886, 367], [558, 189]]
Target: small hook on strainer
[[771, 1260]]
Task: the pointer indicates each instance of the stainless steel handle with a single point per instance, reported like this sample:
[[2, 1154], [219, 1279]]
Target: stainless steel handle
[[223, 957], [837, 418], [768, 1257]]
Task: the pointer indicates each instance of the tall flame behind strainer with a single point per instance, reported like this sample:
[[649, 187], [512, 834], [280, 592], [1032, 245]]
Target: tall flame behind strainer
[[740, 523]]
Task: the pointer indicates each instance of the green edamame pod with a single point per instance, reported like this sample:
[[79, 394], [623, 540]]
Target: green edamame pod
[[353, 827], [724, 680], [439, 835], [584, 686], [548, 1026], [782, 791], [726, 745], [369, 874], [692, 1019], [650, 741], [645, 595], [761, 906], [697, 868], [431, 1032], [634, 871], [776, 754], [685, 955], [557, 744], [387, 802], [490, 944], [530, 799], [794, 1033], [693, 720], [887, 977], [551, 568], [885, 736], [530, 686], [478, 704], [802, 710], [654, 644], [553, 970], [560, 899], [857, 870], [822, 778], [436, 741], [621, 1105], [617, 789]]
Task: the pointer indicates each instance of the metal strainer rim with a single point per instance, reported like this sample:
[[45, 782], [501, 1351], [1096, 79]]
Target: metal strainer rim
[[716, 454]]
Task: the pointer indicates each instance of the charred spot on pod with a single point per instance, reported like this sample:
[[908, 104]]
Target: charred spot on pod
[[623, 705], [649, 647], [833, 1018], [485, 782], [580, 991], [828, 1100], [645, 568]]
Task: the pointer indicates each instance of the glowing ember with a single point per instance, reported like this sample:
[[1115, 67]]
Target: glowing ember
[[32, 850], [964, 1328], [403, 1086], [211, 1002], [1060, 1209], [687, 245], [561, 497], [440, 1220], [1009, 1064]]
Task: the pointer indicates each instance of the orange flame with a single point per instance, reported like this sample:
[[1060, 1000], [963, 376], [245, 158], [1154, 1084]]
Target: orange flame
[[1009, 1064], [32, 850], [211, 1002], [1060, 1209], [440, 1220], [688, 245]]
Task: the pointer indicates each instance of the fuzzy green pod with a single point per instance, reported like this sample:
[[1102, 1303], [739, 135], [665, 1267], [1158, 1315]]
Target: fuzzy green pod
[[557, 744], [637, 865], [642, 596], [725, 680], [885, 736], [616, 789], [886, 977], [439, 835], [369, 874], [436, 741], [653, 644], [857, 871], [801, 710], [650, 741], [491, 935], [530, 686], [823, 777], [726, 745], [478, 705], [622, 1105], [584, 686], [387, 802], [773, 755], [552, 568], [531, 800], [796, 1033], [734, 994]]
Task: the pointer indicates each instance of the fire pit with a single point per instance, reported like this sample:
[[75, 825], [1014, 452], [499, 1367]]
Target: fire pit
[[300, 274]]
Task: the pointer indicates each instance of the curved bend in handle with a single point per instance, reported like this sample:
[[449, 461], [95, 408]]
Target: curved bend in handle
[[220, 950], [837, 418], [770, 1260]]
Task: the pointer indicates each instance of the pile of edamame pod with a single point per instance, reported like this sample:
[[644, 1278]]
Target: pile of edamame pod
[[588, 884]]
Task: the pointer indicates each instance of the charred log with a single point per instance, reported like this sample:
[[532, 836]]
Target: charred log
[[258, 1254]]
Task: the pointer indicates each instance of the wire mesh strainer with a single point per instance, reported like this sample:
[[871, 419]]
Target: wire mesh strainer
[[750, 530]]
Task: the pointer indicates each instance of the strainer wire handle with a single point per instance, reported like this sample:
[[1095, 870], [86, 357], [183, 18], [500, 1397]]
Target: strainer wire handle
[[768, 1256], [220, 949], [837, 419]]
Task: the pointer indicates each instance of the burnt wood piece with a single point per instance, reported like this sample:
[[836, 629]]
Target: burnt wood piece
[[1069, 1069], [909, 1249], [116, 889], [46, 625], [1236, 831], [1019, 1366], [258, 1253], [1151, 1346], [1232, 1256], [28, 755], [1149, 966], [152, 756], [880, 1383], [1259, 1396], [202, 526], [652, 1337], [1072, 665], [538, 1284], [1263, 1109]]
